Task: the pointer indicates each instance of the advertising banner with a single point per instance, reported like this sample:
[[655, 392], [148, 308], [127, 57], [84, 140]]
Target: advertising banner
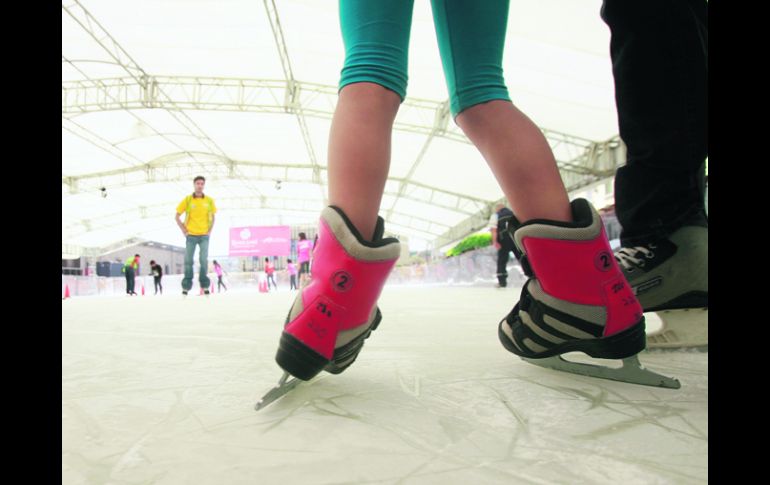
[[260, 241]]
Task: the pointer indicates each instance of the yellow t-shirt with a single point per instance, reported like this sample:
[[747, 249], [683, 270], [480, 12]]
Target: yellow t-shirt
[[198, 221], [130, 262]]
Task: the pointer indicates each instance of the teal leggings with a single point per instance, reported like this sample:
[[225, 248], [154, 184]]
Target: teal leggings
[[470, 33]]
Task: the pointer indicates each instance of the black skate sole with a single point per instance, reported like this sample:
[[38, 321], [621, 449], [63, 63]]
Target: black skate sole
[[627, 343], [304, 363], [298, 359]]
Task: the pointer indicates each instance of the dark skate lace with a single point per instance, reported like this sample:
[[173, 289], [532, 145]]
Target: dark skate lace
[[634, 257]]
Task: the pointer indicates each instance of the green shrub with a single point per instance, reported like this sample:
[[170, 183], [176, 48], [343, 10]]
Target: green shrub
[[471, 242]]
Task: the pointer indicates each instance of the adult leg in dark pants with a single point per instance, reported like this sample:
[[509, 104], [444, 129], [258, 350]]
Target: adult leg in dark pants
[[503, 255], [130, 281], [659, 51]]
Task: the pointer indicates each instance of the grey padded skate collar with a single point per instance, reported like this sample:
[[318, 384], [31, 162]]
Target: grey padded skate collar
[[350, 239], [586, 226]]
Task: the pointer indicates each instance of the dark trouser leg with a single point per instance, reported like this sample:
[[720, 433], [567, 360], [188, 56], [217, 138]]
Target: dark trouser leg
[[503, 255], [130, 280], [659, 51]]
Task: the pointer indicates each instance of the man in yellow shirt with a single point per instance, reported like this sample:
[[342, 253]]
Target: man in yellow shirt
[[199, 221]]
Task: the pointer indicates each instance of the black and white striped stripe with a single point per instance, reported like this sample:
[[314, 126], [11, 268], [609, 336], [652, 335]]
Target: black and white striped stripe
[[539, 325]]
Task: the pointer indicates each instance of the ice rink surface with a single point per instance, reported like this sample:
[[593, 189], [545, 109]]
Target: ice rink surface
[[161, 390]]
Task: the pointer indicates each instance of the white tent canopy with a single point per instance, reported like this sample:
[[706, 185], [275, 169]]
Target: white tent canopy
[[242, 92]]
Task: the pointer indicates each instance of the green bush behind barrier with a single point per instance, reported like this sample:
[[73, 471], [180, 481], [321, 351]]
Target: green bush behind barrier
[[470, 243]]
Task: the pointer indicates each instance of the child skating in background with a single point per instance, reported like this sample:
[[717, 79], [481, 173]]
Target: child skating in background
[[291, 268], [157, 274], [270, 270], [304, 248], [218, 270]]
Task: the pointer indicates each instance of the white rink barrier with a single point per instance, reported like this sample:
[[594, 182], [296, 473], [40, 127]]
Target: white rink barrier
[[472, 268]]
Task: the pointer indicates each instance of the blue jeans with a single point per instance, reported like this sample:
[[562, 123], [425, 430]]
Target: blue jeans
[[203, 242]]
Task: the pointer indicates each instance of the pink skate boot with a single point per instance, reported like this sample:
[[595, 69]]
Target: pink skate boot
[[333, 315], [576, 299]]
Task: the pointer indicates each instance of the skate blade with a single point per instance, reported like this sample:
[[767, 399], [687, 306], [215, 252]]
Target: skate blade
[[284, 385], [678, 328], [632, 371]]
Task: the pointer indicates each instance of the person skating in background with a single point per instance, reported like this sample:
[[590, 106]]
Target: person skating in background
[[270, 270], [218, 270], [199, 221], [304, 248], [291, 268], [499, 222], [157, 273], [130, 268]]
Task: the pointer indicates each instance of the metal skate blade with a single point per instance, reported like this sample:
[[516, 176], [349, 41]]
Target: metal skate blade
[[676, 329], [632, 371], [284, 385]]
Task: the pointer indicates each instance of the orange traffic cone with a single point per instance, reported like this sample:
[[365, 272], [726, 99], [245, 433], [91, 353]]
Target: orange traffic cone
[[66, 291]]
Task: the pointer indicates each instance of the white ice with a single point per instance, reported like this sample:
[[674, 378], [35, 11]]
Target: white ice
[[162, 390]]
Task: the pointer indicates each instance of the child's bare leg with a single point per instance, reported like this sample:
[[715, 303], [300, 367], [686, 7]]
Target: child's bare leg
[[520, 158], [359, 152]]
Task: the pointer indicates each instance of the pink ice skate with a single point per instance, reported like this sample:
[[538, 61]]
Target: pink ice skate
[[576, 299], [333, 315]]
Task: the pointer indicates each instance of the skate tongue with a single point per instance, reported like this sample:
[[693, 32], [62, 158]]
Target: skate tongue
[[379, 229]]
